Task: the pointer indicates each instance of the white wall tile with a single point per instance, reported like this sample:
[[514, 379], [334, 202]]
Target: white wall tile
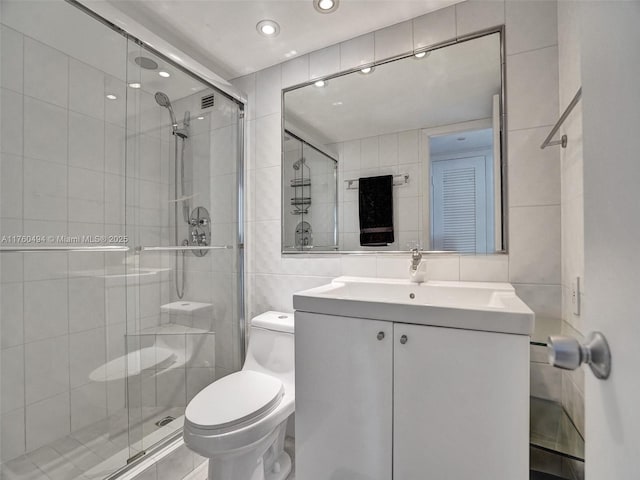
[[393, 40], [268, 91], [11, 59], [388, 149], [476, 15], [247, 85], [268, 193], [408, 147], [45, 309], [86, 195], [86, 355], [45, 131], [532, 88], [198, 379], [359, 265], [534, 249], [546, 382], [11, 186], [357, 51], [115, 110], [11, 138], [268, 135], [531, 24], [86, 89], [45, 191], [11, 314], [445, 268], [295, 71], [534, 174], [88, 405], [544, 300], [491, 268], [392, 267], [12, 437], [86, 304], [86, 142], [46, 369], [324, 62], [12, 389], [435, 27], [46, 73], [369, 153]]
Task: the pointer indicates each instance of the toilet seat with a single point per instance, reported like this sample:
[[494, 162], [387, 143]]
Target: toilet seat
[[236, 399]]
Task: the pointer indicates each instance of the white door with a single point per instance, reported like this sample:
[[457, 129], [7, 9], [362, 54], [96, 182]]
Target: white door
[[343, 398], [610, 44], [461, 404], [459, 204]]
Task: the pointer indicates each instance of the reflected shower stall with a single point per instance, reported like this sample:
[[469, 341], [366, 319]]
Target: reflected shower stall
[[121, 258]]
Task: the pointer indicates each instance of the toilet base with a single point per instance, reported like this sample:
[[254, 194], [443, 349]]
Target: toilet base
[[283, 465]]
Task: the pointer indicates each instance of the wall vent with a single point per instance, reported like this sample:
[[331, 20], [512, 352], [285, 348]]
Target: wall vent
[[207, 101]]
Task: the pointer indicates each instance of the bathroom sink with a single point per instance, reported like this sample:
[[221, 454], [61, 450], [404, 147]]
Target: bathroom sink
[[484, 306]]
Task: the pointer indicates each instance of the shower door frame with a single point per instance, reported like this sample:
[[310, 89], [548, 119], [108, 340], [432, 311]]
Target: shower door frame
[[138, 462]]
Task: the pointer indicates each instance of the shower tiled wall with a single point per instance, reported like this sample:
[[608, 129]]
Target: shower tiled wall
[[62, 174], [533, 263]]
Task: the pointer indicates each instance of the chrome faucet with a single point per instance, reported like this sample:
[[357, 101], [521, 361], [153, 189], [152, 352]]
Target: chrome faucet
[[416, 258]]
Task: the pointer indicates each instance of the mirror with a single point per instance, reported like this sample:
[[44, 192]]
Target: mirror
[[415, 146]]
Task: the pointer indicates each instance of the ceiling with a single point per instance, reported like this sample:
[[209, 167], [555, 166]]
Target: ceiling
[[221, 34], [450, 85]]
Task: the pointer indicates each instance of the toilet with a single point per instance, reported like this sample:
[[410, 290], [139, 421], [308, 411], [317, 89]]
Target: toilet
[[239, 421]]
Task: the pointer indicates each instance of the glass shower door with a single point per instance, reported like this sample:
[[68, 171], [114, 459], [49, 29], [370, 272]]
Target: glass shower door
[[182, 212]]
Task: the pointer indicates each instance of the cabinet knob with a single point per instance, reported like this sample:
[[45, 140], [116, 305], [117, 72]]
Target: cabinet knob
[[403, 339], [380, 335]]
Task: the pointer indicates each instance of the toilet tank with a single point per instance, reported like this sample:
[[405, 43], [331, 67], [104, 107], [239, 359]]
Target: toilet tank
[[271, 346]]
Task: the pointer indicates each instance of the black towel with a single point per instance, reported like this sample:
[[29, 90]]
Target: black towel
[[376, 210]]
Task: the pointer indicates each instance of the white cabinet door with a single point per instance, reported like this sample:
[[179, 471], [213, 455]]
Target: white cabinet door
[[343, 398], [461, 404]]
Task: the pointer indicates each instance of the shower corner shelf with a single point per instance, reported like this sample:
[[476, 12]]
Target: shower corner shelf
[[186, 307]]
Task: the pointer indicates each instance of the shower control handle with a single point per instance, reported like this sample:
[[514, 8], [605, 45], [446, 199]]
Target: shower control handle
[[403, 339], [380, 335]]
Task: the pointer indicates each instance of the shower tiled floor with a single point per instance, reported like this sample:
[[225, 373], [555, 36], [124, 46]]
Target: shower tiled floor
[[91, 453]]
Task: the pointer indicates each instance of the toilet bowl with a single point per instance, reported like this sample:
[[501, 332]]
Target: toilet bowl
[[239, 421]]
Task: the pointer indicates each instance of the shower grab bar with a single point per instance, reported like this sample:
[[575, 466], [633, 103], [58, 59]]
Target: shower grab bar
[[106, 248], [563, 140], [183, 248]]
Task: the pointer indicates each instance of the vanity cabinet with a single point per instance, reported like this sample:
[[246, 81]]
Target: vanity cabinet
[[378, 400]]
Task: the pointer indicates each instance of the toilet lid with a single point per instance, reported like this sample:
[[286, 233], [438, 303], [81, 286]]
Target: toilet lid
[[234, 399]]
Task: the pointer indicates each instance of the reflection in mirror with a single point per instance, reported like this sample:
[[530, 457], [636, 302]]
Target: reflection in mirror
[[430, 124], [309, 201]]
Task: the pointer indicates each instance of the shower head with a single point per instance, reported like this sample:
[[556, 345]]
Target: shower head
[[163, 100]]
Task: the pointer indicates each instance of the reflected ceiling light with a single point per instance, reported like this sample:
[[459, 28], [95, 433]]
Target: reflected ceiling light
[[135, 85], [111, 96], [367, 70], [268, 28], [420, 54], [164, 74], [320, 83], [326, 6], [336, 104], [291, 53], [200, 118]]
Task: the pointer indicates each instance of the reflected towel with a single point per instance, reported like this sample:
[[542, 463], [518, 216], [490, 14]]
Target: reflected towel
[[375, 196]]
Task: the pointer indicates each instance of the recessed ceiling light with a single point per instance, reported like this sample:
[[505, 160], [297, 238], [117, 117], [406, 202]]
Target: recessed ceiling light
[[420, 54], [111, 96], [326, 6], [135, 85], [320, 83], [367, 70], [336, 104], [268, 28], [164, 74]]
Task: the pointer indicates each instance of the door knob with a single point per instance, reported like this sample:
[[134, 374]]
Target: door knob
[[403, 339], [380, 335], [568, 353]]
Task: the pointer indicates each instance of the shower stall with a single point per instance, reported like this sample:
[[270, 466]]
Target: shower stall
[[121, 257]]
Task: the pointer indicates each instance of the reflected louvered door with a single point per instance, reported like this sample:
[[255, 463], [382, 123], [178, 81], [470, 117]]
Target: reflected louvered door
[[459, 204]]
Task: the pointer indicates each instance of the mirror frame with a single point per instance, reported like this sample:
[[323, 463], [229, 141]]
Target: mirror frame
[[503, 145]]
